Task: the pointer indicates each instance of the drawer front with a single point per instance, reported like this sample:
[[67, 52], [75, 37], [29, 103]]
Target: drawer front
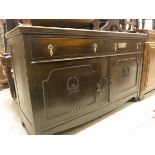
[[58, 48], [53, 48], [124, 45]]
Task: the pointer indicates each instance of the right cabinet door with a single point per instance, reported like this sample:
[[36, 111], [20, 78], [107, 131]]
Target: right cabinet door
[[124, 75]]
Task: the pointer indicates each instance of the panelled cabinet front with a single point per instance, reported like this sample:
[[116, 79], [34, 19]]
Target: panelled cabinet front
[[70, 89]]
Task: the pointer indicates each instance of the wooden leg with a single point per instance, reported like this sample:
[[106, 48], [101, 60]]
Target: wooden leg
[[141, 97], [23, 124], [136, 99]]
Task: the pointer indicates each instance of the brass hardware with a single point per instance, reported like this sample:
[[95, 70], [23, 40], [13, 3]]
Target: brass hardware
[[111, 81], [122, 45], [100, 85], [50, 47], [95, 47], [115, 46], [13, 51], [138, 45], [119, 45]]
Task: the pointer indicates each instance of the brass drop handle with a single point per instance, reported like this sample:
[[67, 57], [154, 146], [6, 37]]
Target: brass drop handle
[[115, 46], [138, 45], [95, 47], [101, 83], [111, 81], [119, 45], [50, 47]]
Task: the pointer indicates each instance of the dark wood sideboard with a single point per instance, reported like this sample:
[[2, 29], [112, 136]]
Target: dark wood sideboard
[[148, 69], [67, 77]]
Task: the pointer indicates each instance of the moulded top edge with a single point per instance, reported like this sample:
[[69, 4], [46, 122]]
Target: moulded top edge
[[57, 30]]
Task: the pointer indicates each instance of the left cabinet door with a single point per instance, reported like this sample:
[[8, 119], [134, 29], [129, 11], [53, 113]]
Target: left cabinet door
[[70, 89]]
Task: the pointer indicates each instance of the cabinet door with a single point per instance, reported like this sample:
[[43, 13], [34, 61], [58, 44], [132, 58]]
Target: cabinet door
[[71, 88], [124, 75]]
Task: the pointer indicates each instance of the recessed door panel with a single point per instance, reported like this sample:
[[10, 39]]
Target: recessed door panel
[[65, 90], [124, 75]]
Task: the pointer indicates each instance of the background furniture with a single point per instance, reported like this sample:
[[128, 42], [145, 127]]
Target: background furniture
[[113, 25], [3, 78], [148, 69], [67, 77], [5, 60]]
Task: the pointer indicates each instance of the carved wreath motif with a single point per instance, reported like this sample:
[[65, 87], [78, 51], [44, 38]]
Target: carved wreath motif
[[72, 83], [125, 72]]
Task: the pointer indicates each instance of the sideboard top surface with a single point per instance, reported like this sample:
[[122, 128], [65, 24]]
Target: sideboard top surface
[[70, 31]]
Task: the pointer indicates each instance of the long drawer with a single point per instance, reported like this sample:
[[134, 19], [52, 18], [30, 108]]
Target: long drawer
[[55, 48]]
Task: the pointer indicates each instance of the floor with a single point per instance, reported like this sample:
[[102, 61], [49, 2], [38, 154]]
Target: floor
[[131, 119]]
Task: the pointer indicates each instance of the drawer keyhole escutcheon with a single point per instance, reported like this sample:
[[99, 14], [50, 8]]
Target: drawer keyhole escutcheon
[[95, 47], [50, 47], [138, 45], [115, 46]]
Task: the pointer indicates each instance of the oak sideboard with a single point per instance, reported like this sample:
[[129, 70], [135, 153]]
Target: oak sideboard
[[67, 77]]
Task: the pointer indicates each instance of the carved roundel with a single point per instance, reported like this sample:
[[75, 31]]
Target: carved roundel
[[125, 72], [72, 83]]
